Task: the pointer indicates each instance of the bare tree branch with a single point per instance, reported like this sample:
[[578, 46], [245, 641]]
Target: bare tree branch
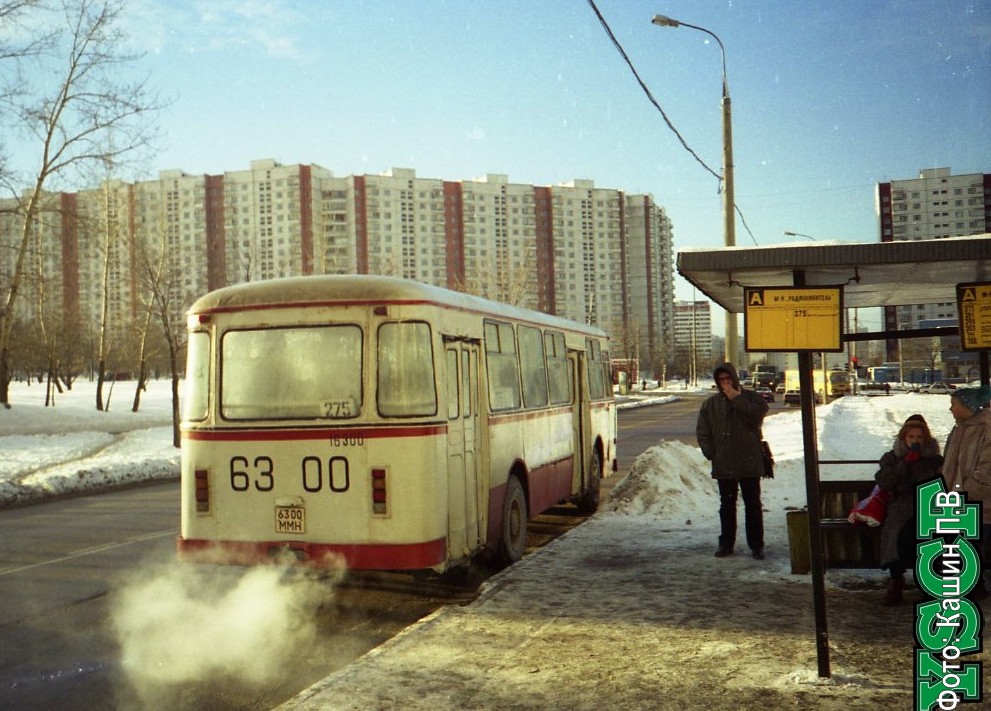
[[92, 114]]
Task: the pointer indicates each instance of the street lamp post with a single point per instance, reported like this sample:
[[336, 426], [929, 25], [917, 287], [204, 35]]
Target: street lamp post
[[729, 205]]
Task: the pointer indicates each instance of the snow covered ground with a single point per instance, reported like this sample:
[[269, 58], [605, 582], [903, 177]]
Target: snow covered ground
[[628, 611], [72, 447]]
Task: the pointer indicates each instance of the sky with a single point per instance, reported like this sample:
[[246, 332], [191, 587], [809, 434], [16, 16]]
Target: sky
[[666, 503], [828, 98]]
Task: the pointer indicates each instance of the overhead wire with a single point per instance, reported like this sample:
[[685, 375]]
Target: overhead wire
[[657, 105]]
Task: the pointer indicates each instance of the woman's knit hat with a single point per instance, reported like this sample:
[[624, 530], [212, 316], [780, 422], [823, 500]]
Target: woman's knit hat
[[973, 399]]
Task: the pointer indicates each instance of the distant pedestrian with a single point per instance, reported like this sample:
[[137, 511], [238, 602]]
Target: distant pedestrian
[[967, 466], [643, 386], [887, 388], [912, 460], [729, 434]]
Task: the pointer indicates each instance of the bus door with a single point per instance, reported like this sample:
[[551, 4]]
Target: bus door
[[581, 416], [465, 488]]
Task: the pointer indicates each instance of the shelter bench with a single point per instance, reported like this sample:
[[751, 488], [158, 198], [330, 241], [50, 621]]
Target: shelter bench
[[845, 545]]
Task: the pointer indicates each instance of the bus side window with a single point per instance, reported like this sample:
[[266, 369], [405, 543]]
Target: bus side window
[[557, 368], [467, 395], [405, 370], [606, 376], [452, 384], [596, 387], [533, 368], [502, 366]]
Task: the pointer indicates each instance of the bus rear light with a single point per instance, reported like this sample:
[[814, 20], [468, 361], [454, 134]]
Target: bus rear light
[[202, 490], [379, 492]]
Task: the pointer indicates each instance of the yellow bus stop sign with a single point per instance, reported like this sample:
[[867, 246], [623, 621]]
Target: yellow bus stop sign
[[974, 314], [780, 318]]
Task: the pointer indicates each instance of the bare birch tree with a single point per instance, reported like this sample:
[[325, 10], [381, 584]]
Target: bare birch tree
[[111, 234], [68, 121], [161, 279]]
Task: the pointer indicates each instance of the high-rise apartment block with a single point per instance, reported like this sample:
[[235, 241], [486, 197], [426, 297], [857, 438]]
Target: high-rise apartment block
[[935, 205], [590, 254], [692, 338]]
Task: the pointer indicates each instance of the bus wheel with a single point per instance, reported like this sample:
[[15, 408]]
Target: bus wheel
[[512, 542], [589, 501]]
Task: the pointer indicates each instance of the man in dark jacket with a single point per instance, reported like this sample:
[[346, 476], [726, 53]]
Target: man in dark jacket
[[729, 433]]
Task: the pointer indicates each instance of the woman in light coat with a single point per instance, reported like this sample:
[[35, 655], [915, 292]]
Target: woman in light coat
[[968, 457]]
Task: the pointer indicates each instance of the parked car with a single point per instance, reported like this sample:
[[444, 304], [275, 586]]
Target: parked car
[[780, 389], [765, 393], [939, 388]]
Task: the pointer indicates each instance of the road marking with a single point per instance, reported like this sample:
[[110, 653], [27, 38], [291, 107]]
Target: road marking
[[89, 551]]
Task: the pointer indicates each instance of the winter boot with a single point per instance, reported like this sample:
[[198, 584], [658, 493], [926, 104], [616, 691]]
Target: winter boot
[[893, 593]]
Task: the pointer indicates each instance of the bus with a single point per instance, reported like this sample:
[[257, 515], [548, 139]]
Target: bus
[[382, 424], [827, 385]]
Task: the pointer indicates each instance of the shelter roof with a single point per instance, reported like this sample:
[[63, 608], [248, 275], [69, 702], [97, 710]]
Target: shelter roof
[[872, 274]]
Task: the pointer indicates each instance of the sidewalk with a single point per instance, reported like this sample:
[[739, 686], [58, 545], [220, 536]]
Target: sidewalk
[[593, 622], [630, 611]]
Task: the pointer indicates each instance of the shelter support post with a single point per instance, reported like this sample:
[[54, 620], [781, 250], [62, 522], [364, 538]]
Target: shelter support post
[[811, 449], [810, 445]]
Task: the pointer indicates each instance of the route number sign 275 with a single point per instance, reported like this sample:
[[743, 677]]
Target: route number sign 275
[[778, 318]]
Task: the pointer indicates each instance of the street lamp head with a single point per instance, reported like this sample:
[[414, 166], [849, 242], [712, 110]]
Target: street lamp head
[[664, 21], [799, 234]]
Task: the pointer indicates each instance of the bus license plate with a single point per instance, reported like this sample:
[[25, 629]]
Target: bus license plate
[[290, 519]]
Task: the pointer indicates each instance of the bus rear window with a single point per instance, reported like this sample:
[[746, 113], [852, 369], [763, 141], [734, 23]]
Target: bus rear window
[[405, 370], [291, 373], [197, 388]]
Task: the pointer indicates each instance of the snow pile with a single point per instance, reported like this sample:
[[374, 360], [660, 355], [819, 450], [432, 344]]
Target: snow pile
[[668, 480]]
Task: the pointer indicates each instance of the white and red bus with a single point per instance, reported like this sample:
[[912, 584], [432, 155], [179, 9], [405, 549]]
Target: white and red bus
[[380, 423]]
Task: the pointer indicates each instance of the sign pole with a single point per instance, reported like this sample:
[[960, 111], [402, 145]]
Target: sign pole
[[804, 320], [811, 447]]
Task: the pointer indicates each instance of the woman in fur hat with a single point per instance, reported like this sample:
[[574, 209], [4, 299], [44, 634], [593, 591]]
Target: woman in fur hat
[[913, 459], [968, 456]]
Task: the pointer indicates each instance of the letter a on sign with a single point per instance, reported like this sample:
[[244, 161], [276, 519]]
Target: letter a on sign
[[968, 295], [756, 298]]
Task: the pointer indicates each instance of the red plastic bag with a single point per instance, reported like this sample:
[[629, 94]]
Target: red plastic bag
[[871, 510]]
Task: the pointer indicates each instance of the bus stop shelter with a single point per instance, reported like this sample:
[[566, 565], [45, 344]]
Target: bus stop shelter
[[869, 275]]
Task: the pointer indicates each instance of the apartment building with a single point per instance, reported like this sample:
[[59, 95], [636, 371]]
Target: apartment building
[[693, 337], [936, 205], [591, 254]]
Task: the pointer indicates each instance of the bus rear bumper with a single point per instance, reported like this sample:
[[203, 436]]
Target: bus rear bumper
[[406, 556]]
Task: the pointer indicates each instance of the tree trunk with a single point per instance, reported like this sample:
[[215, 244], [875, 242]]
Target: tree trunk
[[173, 356], [140, 386], [100, 378], [5, 379]]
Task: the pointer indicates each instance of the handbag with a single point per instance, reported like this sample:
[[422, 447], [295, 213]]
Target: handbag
[[768, 460], [872, 510]]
